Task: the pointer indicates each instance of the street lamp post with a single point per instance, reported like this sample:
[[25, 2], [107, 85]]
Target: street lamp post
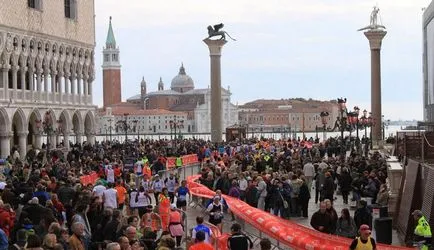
[[176, 124], [357, 111], [123, 124], [324, 119], [136, 129], [110, 128], [385, 126], [106, 131], [343, 121]]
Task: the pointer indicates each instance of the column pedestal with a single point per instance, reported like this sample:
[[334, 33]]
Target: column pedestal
[[215, 48], [375, 38], [5, 145]]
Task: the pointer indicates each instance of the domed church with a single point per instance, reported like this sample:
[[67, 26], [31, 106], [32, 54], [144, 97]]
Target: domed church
[[183, 97]]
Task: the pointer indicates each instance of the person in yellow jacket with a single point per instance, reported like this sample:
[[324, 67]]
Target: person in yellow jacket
[[178, 164], [422, 232], [365, 241]]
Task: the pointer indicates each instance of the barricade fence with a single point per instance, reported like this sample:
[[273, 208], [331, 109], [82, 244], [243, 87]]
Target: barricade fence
[[285, 232]]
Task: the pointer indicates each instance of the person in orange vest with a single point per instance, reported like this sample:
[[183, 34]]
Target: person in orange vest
[[151, 219], [164, 208], [121, 193], [147, 170], [176, 227]]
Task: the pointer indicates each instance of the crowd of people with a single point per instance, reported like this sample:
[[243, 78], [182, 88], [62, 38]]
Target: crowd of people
[[281, 177], [131, 206]]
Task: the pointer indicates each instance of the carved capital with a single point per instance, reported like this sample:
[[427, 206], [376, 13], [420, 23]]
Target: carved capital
[[375, 38], [215, 46], [15, 68], [6, 67]]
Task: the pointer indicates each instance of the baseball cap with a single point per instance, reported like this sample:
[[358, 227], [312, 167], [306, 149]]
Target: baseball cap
[[365, 228], [172, 206], [417, 212]]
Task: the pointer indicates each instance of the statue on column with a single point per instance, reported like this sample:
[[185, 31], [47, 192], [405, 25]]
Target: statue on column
[[214, 30], [373, 23]]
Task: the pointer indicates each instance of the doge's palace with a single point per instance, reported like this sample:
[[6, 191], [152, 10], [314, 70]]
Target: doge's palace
[[46, 73]]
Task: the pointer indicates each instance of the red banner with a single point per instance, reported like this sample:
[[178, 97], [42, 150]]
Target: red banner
[[285, 231], [89, 179], [186, 160]]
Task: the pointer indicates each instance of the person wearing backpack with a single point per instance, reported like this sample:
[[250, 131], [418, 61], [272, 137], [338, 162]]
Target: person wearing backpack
[[238, 240], [365, 241]]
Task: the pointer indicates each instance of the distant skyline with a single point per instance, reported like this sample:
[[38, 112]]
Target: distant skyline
[[284, 49]]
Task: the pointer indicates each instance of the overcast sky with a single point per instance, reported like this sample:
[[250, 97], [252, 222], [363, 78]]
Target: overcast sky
[[284, 48]]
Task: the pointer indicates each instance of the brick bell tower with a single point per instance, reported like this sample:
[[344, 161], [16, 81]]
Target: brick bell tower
[[111, 69]]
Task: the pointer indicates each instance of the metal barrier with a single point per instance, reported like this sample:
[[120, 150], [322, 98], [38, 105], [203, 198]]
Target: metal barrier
[[195, 201]]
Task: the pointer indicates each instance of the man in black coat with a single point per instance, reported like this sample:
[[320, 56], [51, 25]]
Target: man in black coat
[[111, 227], [321, 220], [329, 187]]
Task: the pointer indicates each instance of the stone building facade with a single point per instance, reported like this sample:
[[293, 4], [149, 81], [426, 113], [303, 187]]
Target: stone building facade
[[47, 72], [184, 97], [286, 114]]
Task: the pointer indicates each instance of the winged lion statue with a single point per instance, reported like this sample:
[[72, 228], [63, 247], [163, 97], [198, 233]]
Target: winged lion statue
[[215, 30]]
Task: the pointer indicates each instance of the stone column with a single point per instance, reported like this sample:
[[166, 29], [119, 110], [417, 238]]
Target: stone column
[[31, 72], [215, 48], [78, 137], [66, 140], [37, 143], [23, 82], [46, 94], [53, 87], [375, 38], [73, 83], [66, 78], [59, 82], [79, 94], [5, 144], [39, 84], [90, 138], [85, 94], [53, 141], [22, 141], [5, 77], [15, 81]]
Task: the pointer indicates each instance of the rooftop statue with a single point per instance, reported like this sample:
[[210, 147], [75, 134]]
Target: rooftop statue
[[215, 31], [373, 21]]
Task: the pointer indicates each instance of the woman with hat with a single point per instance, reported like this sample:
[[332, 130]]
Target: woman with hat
[[176, 228]]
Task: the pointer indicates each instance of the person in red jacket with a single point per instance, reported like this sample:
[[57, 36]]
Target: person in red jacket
[[7, 218]]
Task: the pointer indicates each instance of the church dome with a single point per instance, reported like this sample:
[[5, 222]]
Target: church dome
[[182, 82]]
